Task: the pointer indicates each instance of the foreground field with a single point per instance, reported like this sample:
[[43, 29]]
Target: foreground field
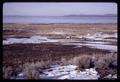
[[47, 51]]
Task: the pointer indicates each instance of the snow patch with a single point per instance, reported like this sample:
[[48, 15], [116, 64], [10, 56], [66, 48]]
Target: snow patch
[[98, 45], [86, 75], [100, 36], [105, 47], [69, 72], [58, 33], [110, 76], [21, 75], [33, 39], [97, 42]]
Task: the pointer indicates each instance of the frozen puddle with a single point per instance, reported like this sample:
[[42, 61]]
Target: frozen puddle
[[33, 39], [69, 72]]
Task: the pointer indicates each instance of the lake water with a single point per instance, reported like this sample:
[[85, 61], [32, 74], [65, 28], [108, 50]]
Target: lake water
[[81, 19]]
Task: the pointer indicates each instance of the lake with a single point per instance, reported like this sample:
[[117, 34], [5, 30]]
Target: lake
[[59, 19]]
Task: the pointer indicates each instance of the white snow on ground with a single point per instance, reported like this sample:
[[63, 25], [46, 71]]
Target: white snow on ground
[[110, 76], [21, 74], [67, 37], [65, 72], [100, 46], [111, 48], [100, 36], [93, 44], [98, 42], [85, 75], [69, 72], [33, 39], [58, 33], [105, 47]]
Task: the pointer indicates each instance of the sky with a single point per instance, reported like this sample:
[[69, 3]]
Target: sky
[[58, 9]]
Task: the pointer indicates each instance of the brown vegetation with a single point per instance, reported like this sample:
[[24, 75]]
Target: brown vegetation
[[103, 63], [28, 58], [27, 30]]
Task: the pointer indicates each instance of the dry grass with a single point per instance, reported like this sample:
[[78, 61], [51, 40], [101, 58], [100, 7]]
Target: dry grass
[[28, 57], [30, 72], [103, 65], [28, 68], [7, 72], [105, 60], [82, 61], [101, 62], [22, 56], [27, 30]]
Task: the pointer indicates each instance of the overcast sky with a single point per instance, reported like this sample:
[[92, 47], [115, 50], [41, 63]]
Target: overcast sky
[[58, 9]]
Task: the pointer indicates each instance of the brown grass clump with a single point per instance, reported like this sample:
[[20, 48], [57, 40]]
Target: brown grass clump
[[31, 73], [7, 71], [105, 60], [30, 69], [34, 65], [63, 61], [103, 63], [82, 61]]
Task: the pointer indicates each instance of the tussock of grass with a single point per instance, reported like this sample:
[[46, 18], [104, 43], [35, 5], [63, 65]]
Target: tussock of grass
[[101, 62], [7, 72], [105, 60], [83, 61], [31, 73]]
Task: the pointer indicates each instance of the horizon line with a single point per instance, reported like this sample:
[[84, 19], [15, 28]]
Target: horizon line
[[68, 15]]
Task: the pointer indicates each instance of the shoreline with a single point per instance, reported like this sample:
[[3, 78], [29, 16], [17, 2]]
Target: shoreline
[[61, 23]]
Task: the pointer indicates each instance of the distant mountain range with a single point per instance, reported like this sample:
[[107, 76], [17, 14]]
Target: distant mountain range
[[81, 15], [89, 15]]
